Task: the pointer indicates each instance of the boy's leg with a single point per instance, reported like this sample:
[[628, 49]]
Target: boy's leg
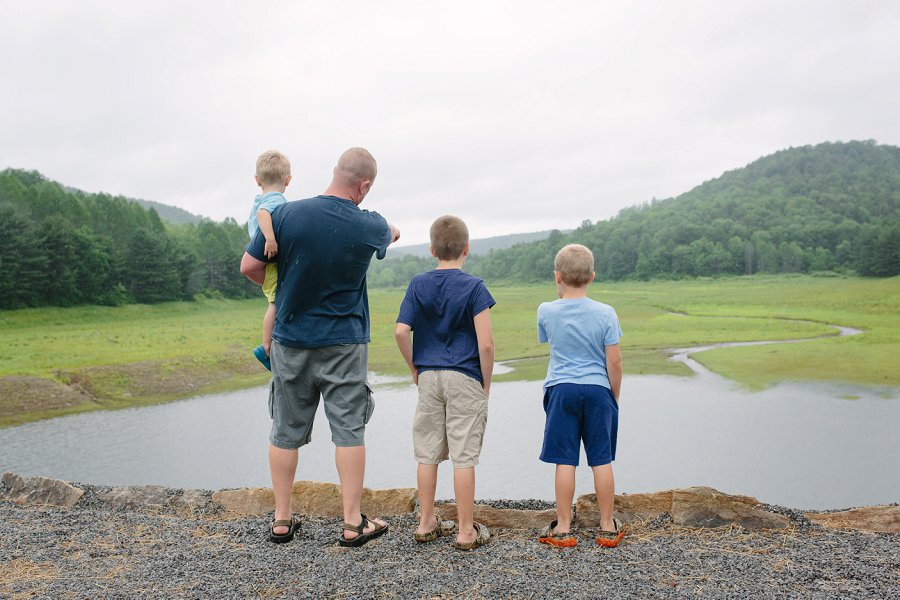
[[464, 489], [565, 493], [605, 487], [268, 326], [426, 477]]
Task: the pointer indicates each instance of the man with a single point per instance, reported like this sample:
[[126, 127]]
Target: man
[[321, 334]]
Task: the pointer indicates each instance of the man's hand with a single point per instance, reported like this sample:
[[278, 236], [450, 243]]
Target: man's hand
[[271, 248]]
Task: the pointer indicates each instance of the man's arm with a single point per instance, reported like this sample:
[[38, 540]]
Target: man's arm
[[264, 218], [485, 334], [614, 369], [253, 269], [401, 334]]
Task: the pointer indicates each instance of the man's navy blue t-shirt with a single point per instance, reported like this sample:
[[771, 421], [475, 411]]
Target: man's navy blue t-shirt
[[440, 306], [325, 245]]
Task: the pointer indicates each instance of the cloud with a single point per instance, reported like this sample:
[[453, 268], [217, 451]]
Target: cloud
[[518, 116]]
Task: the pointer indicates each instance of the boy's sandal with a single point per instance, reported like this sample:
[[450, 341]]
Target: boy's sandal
[[441, 528], [293, 525], [260, 353], [362, 538], [559, 540], [483, 537], [611, 539]]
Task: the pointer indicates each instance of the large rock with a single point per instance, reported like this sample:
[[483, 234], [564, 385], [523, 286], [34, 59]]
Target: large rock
[[39, 490], [691, 507], [506, 518], [135, 497], [315, 498], [881, 519], [706, 507]]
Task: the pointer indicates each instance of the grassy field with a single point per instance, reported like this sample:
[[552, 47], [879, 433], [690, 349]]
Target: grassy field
[[58, 361]]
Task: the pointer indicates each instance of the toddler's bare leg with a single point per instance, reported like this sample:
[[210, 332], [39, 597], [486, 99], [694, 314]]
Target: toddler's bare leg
[[268, 326], [605, 487], [464, 488], [565, 492], [426, 476]]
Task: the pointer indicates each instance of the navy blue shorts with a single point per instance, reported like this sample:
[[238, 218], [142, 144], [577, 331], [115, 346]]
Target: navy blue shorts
[[576, 413]]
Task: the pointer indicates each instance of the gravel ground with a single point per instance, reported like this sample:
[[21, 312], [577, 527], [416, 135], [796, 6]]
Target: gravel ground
[[91, 551]]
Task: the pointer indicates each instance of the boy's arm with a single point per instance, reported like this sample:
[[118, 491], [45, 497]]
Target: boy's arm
[[485, 335], [614, 369], [401, 334], [264, 218]]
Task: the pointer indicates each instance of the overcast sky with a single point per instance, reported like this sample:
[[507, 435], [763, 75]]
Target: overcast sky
[[517, 116]]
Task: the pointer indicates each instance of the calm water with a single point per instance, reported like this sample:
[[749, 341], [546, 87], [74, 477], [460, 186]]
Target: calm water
[[805, 446]]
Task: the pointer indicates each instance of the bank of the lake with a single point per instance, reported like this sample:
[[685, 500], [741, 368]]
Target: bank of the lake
[[194, 549], [59, 361]]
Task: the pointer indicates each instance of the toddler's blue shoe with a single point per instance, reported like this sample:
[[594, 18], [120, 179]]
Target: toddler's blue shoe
[[260, 353]]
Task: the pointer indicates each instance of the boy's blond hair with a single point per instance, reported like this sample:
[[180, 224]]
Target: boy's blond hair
[[272, 167], [575, 265], [449, 236]]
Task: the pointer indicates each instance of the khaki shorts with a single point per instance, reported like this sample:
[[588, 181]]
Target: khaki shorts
[[270, 282], [450, 419]]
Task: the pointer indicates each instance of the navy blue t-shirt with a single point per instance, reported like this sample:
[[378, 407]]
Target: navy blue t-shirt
[[325, 245], [440, 307]]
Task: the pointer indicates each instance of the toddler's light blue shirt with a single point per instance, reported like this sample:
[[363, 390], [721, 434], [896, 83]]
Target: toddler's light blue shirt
[[269, 202]]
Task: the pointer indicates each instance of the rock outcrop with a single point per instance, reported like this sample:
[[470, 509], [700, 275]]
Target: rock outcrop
[[39, 490], [690, 507], [881, 519]]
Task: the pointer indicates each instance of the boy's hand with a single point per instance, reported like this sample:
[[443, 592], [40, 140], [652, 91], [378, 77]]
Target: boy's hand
[[271, 248]]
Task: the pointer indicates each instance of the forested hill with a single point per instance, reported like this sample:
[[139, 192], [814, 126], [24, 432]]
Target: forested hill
[[829, 207], [61, 247]]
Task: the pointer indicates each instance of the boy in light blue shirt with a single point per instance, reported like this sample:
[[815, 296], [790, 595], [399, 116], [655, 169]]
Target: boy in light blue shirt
[[273, 174], [581, 393]]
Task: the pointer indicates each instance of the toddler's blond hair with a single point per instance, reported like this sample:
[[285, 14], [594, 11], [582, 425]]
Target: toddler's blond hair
[[575, 264], [272, 167]]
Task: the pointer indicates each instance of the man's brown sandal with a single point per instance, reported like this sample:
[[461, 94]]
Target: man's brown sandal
[[441, 528], [559, 540], [362, 538], [293, 525]]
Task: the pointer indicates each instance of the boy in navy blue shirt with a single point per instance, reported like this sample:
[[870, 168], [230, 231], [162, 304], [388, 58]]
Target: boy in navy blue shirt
[[451, 357], [581, 393]]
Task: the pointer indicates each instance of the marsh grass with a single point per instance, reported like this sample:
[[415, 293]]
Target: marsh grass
[[139, 354]]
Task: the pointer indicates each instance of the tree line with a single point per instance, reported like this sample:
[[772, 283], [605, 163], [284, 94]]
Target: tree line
[[63, 247], [829, 207]]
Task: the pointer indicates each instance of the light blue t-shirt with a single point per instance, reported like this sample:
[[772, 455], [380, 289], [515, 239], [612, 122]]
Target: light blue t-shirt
[[579, 330], [269, 202]]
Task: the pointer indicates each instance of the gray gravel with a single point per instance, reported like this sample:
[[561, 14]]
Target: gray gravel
[[91, 551]]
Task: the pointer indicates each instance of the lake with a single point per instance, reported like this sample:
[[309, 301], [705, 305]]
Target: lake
[[811, 446]]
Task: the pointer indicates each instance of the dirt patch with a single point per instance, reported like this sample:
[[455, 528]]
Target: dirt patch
[[28, 394], [24, 399]]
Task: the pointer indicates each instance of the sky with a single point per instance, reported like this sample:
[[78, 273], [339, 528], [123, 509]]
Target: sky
[[516, 116]]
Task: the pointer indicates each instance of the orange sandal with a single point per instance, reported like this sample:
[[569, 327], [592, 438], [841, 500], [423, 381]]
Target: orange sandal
[[611, 539], [559, 540]]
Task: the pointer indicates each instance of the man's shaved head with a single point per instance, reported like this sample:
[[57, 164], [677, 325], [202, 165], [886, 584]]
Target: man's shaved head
[[356, 165]]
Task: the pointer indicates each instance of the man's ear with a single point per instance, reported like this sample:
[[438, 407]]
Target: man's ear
[[364, 187], [431, 249], [466, 249]]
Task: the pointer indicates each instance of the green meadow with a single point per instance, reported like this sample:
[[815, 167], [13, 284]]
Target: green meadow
[[62, 360]]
